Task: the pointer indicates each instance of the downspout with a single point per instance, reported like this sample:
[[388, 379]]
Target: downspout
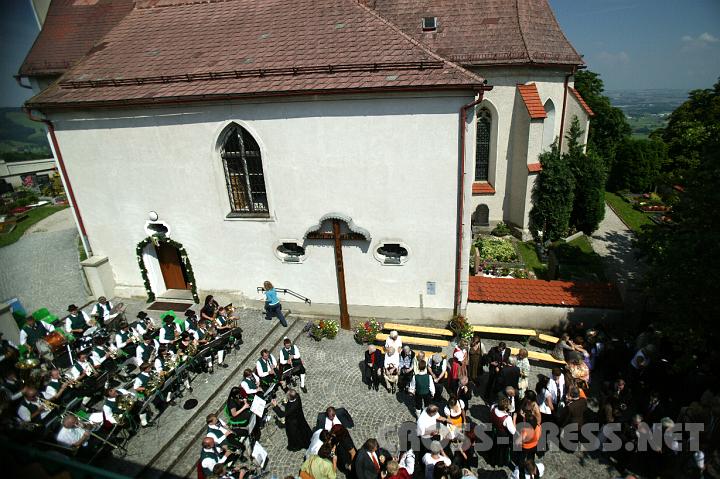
[[562, 116], [65, 177], [461, 199]]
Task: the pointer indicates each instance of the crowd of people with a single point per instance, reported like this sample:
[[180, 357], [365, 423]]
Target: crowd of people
[[87, 382]]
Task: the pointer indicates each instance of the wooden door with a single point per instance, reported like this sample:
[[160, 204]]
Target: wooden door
[[171, 267]]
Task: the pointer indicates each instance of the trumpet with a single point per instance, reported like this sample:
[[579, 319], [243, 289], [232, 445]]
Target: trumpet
[[47, 405]]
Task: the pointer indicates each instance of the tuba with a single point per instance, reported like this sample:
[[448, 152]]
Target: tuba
[[126, 402]]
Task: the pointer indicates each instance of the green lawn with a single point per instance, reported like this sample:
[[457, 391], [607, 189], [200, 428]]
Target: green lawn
[[578, 261], [34, 215], [531, 260], [633, 218]]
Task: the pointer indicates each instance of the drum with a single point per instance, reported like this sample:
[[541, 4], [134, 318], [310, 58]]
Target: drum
[[101, 334], [90, 331], [83, 343], [50, 344]]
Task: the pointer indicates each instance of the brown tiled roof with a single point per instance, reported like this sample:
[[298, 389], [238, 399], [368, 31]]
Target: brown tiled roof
[[545, 293], [581, 100], [71, 29], [534, 168], [482, 188], [485, 32], [531, 97], [250, 47]]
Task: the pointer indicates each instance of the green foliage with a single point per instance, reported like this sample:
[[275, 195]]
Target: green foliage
[[609, 126], [578, 260], [637, 165], [531, 260], [496, 249], [690, 127], [461, 327], [158, 239], [501, 229], [683, 262], [590, 177], [553, 196]]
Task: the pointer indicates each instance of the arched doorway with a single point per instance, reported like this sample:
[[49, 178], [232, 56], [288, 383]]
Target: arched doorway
[[165, 266], [481, 216]]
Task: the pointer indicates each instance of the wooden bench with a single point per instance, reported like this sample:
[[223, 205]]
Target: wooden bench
[[438, 343], [546, 338], [409, 328], [494, 330], [540, 357], [427, 353]]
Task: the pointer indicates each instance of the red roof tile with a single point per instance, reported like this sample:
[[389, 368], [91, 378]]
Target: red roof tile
[[482, 188], [70, 30], [260, 47], [485, 32], [534, 168], [581, 100], [545, 293], [532, 100]]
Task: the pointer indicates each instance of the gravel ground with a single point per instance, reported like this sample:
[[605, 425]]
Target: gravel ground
[[42, 268]]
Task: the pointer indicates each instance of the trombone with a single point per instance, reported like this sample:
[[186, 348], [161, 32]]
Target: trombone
[[88, 426], [47, 405]]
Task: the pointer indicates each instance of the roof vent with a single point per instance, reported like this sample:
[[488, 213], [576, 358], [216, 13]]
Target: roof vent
[[429, 24]]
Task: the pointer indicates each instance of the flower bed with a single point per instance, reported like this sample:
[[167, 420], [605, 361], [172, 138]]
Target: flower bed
[[365, 332], [498, 257]]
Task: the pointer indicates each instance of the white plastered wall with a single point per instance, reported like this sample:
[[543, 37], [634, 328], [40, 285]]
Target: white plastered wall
[[389, 162]]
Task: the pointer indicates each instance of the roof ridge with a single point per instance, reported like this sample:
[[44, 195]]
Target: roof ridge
[[419, 44]]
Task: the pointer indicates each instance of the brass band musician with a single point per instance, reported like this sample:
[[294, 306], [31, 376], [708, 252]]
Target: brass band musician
[[290, 359], [34, 330], [55, 387], [31, 408], [77, 321]]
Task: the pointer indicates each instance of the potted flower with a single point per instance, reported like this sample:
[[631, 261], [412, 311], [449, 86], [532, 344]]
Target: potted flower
[[365, 332], [461, 327]]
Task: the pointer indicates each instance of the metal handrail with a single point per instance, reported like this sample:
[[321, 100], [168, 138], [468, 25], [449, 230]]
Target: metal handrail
[[260, 289]]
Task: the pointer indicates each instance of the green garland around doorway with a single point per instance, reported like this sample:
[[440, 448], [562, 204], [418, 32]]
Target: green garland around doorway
[[157, 240]]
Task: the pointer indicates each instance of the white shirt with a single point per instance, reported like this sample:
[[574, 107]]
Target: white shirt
[[540, 469], [542, 402], [552, 387], [209, 463], [426, 424], [24, 413], [105, 312], [395, 343], [48, 327], [507, 422], [221, 428], [329, 424], [97, 359], [459, 354], [138, 381], [140, 328], [258, 366], [159, 362], [49, 392], [70, 436], [68, 321], [411, 388], [428, 459], [119, 341], [180, 330], [141, 348], [84, 366], [106, 409], [392, 360], [294, 354], [248, 389], [163, 336], [315, 444]]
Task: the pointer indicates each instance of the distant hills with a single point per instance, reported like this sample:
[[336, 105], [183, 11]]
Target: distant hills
[[647, 110], [20, 137]]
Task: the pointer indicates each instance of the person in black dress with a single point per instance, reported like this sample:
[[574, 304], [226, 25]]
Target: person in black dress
[[296, 427], [344, 449]]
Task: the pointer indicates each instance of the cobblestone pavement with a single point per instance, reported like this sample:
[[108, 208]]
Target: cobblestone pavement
[[334, 378], [42, 268], [613, 242]]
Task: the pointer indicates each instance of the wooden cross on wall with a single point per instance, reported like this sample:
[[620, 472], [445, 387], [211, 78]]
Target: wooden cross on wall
[[337, 237]]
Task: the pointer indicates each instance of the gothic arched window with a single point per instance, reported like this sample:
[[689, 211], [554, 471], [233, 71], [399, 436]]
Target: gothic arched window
[[243, 173], [482, 145]]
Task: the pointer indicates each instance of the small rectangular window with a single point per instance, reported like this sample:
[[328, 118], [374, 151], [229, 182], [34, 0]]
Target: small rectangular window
[[429, 24]]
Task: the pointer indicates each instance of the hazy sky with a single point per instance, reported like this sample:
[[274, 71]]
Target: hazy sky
[[633, 44]]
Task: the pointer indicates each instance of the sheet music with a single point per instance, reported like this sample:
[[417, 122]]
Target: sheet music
[[258, 406]]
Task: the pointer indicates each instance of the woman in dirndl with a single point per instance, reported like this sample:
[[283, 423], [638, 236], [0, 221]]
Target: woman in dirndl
[[459, 364]]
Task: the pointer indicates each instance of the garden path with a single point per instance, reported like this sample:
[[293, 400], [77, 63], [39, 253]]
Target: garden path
[[42, 268], [613, 241]]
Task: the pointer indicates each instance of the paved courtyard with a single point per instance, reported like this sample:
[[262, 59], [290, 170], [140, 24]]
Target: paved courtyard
[[334, 379], [42, 268]]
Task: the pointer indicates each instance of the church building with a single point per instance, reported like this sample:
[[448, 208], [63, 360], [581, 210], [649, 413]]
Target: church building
[[343, 149]]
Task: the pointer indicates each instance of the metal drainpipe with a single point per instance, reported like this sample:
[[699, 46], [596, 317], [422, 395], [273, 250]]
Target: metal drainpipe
[[562, 116], [65, 177], [461, 199]]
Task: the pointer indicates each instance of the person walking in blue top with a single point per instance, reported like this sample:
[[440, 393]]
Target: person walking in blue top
[[273, 308]]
